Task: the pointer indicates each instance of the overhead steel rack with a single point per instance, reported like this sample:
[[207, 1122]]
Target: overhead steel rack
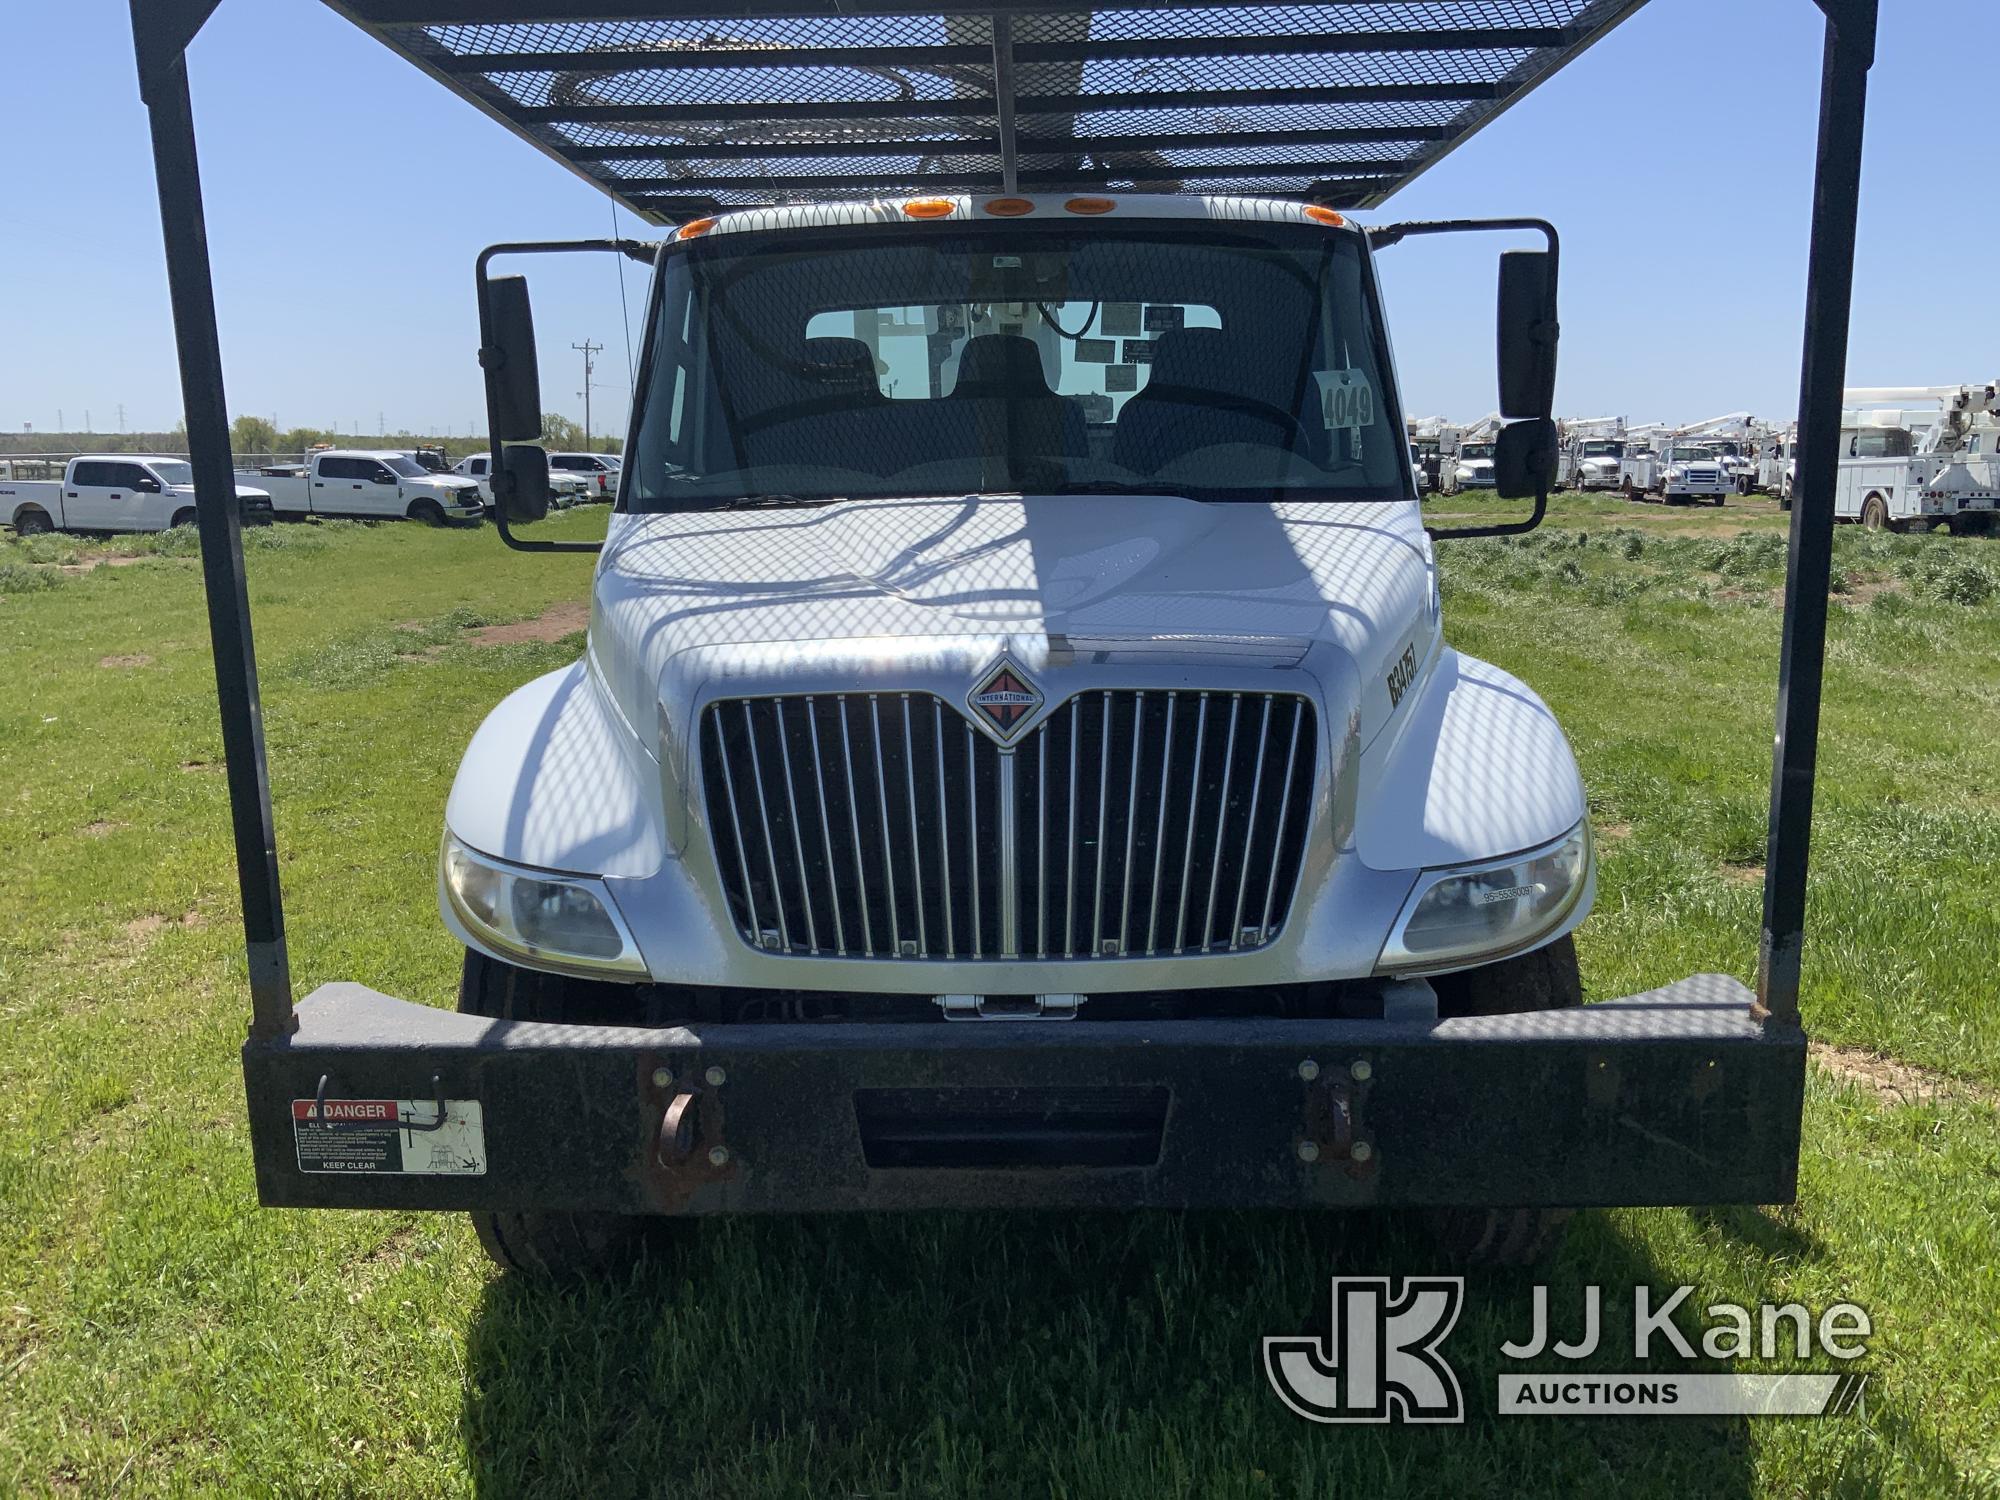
[[725, 106], [679, 110]]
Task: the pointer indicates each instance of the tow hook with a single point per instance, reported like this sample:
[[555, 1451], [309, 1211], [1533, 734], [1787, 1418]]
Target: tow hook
[[1333, 1127]]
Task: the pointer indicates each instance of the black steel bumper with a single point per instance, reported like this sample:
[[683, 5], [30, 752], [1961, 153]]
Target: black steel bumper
[[1675, 1096]]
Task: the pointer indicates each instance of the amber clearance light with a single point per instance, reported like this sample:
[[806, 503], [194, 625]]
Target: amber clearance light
[[694, 227], [1009, 208], [1091, 205], [929, 208], [1325, 216]]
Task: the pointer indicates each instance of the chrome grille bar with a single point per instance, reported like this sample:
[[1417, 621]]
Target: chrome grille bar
[[905, 819]]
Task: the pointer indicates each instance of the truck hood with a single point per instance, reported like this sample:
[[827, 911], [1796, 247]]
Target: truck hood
[[924, 594]]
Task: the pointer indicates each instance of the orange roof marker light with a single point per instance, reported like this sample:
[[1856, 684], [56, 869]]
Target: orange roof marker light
[[1009, 208], [694, 227], [1325, 216], [930, 208], [1091, 205]]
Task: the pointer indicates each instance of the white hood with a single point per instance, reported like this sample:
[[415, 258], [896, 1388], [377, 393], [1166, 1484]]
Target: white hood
[[890, 585]]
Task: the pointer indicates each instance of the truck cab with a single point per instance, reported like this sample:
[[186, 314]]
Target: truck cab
[[565, 488], [1598, 462], [1473, 467], [1022, 612]]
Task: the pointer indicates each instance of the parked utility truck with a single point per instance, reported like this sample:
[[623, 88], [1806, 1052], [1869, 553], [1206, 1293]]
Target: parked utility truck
[[365, 484], [923, 688], [1905, 467], [114, 492]]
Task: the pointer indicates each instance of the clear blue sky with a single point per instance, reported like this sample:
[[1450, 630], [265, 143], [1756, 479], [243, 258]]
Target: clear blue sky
[[347, 195]]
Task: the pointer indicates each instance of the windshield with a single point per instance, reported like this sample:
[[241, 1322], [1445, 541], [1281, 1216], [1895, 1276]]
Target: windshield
[[409, 468], [1691, 455], [174, 475], [1476, 450], [1603, 450], [1219, 361]]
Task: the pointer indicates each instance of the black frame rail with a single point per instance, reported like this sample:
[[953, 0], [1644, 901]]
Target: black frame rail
[[1750, 1053]]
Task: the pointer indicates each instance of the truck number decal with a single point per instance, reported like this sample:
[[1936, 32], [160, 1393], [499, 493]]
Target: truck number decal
[[1400, 675]]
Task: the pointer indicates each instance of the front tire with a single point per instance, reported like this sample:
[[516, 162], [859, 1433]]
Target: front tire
[[1546, 979], [555, 1245], [427, 511]]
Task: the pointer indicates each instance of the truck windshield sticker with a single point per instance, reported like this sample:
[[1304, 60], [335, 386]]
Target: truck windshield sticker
[[398, 1136], [1347, 400]]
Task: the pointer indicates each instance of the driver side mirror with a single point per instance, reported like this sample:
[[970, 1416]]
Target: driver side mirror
[[146, 486], [383, 476], [1527, 334], [507, 354]]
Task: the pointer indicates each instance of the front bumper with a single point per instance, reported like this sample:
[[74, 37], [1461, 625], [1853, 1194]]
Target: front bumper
[[1680, 1095]]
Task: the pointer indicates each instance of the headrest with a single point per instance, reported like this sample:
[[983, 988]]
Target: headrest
[[1204, 358], [839, 362], [1001, 363]]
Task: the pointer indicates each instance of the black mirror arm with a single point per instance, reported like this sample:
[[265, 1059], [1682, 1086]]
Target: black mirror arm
[[1390, 234], [490, 360]]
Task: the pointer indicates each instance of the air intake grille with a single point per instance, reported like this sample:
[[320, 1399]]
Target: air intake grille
[[1127, 824]]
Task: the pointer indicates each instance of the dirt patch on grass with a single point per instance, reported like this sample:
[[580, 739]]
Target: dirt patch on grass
[[1859, 593], [135, 659], [552, 624], [92, 564], [141, 928], [202, 765], [1751, 873], [100, 829], [1896, 1082]]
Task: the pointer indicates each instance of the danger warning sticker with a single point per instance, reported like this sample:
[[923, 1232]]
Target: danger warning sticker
[[390, 1135]]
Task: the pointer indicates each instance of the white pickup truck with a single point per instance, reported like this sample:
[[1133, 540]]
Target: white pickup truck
[[368, 485], [565, 489], [113, 492]]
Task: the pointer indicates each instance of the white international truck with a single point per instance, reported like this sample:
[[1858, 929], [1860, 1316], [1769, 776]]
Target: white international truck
[[1015, 762], [1593, 448], [1929, 458], [365, 484], [1677, 469], [112, 492]]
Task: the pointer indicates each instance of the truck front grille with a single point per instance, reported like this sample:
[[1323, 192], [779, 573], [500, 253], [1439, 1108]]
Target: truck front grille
[[1127, 824]]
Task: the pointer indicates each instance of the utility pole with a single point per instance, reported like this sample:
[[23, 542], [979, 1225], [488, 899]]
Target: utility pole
[[589, 351], [121, 416]]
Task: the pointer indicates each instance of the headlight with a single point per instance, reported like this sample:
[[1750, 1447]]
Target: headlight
[[1456, 916], [555, 921]]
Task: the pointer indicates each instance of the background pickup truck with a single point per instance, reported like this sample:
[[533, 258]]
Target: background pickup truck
[[565, 489], [114, 492], [370, 485]]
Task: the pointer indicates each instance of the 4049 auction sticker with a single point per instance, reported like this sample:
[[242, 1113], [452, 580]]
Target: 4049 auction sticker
[[390, 1135]]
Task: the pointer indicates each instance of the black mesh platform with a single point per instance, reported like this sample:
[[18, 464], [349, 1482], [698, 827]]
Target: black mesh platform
[[679, 109]]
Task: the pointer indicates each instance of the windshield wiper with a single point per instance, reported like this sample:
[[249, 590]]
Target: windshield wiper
[[776, 502]]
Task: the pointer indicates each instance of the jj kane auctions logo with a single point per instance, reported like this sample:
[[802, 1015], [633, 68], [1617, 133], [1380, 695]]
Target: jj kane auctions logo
[[1382, 1361]]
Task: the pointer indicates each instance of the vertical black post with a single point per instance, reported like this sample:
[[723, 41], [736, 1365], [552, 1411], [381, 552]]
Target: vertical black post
[[175, 170], [1850, 52]]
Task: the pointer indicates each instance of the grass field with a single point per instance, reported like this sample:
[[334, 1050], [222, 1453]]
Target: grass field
[[159, 1334]]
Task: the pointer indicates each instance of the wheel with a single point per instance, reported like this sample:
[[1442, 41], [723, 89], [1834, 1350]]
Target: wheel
[[1626, 488], [1717, 502], [1546, 979], [555, 1245], [182, 517], [33, 522], [427, 511], [1875, 513]]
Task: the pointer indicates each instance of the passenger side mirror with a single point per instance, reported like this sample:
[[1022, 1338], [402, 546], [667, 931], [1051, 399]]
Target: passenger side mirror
[[521, 488], [507, 354], [1527, 334], [1524, 458]]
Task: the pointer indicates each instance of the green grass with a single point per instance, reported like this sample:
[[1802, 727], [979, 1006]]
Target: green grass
[[160, 1334]]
